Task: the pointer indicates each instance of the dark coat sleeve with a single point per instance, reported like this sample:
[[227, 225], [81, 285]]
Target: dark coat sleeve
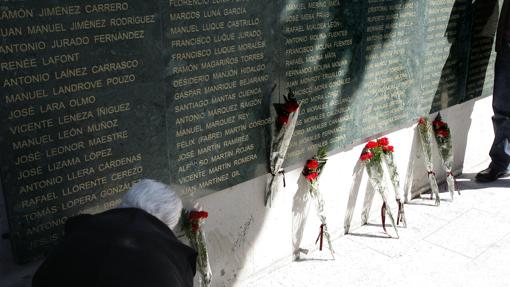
[[502, 24], [120, 247]]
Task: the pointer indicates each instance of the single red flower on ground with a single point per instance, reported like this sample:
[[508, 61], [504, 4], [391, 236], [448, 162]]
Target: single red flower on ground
[[383, 141], [371, 144], [388, 148], [283, 120], [312, 176], [366, 156], [422, 121], [443, 133], [312, 164], [291, 106]]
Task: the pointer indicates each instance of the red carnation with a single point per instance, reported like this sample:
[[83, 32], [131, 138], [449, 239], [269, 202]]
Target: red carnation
[[388, 148], [443, 133], [312, 176], [291, 106], [383, 141], [312, 164], [422, 121], [366, 156], [371, 144], [438, 124], [283, 120], [196, 215]]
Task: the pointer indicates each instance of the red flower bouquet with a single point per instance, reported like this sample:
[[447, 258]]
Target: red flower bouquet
[[366, 156], [313, 167], [374, 150], [442, 134], [312, 164], [383, 142], [373, 155], [371, 145], [192, 222], [441, 130], [285, 123], [282, 120], [284, 110], [425, 133], [196, 218], [311, 172], [291, 105]]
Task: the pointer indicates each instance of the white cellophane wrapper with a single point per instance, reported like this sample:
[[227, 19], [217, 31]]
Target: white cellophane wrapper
[[425, 132], [446, 153], [394, 178], [279, 145], [376, 178], [314, 193], [198, 242]]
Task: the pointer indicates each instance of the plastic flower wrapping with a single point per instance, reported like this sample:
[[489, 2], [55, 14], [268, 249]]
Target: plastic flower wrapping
[[192, 222], [287, 114], [374, 154], [443, 137], [311, 172], [425, 135]]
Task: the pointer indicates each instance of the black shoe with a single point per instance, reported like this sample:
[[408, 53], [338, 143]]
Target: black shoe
[[490, 174]]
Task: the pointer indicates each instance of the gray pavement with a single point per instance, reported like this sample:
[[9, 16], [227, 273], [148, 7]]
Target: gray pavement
[[464, 242]]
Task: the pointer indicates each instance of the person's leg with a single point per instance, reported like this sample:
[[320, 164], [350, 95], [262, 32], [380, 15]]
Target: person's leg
[[501, 104], [500, 150]]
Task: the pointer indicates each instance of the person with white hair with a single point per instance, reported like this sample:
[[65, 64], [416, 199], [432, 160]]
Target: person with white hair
[[132, 245], [155, 198]]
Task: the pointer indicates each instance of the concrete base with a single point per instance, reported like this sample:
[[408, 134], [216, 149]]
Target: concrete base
[[461, 243]]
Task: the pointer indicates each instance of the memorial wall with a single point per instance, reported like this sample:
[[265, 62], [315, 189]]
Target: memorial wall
[[83, 111], [446, 55], [320, 47], [96, 96], [219, 78]]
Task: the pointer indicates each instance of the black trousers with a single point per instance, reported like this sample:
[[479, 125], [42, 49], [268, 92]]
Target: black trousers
[[500, 150]]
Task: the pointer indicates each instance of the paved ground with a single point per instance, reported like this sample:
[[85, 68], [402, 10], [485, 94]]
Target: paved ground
[[465, 242]]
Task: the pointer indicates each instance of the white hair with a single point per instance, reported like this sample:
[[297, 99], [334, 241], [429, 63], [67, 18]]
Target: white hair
[[155, 198]]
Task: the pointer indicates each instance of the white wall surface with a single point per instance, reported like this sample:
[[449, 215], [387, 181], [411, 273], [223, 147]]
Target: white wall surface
[[247, 240]]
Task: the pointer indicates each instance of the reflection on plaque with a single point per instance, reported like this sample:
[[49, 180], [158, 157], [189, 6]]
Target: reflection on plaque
[[319, 66], [444, 69], [391, 54]]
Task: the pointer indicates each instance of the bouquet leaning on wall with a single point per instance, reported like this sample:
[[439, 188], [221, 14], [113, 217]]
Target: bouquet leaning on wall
[[372, 156], [311, 172], [425, 133], [192, 222], [389, 160], [287, 114], [443, 137]]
